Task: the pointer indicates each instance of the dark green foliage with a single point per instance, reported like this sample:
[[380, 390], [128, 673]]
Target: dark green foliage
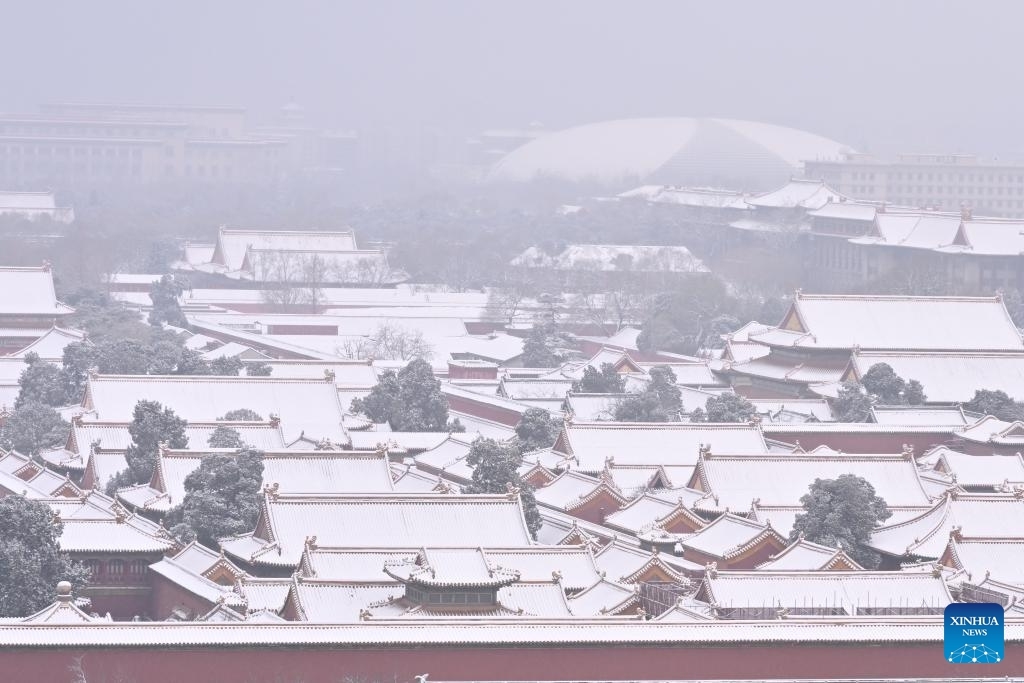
[[891, 389], [689, 318], [603, 381], [33, 427], [225, 437], [729, 407], [537, 429], [226, 366], [545, 347], [240, 415], [914, 393], [411, 400], [41, 382], [31, 564], [852, 405], [495, 469], [221, 498], [995, 403], [842, 511], [661, 401], [151, 425], [260, 369], [164, 294]]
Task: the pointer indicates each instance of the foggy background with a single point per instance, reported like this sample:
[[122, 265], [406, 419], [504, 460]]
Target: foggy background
[[878, 75]]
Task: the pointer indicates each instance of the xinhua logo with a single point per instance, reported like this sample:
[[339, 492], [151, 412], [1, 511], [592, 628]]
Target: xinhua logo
[[974, 633]]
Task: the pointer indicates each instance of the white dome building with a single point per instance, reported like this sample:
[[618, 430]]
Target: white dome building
[[668, 151]]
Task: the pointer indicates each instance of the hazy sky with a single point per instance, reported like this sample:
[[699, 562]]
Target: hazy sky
[[914, 75]]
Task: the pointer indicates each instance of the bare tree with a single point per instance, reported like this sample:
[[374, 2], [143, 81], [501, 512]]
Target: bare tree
[[389, 342], [314, 273]]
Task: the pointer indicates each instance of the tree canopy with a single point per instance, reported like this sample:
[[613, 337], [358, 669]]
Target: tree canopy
[[225, 437], [31, 563], [852, 404], [891, 389], [536, 430], [842, 512], [495, 468], [221, 498], [729, 407], [241, 415], [409, 400], [164, 293], [33, 427], [603, 381], [151, 425], [660, 401], [41, 382], [996, 403], [545, 346]]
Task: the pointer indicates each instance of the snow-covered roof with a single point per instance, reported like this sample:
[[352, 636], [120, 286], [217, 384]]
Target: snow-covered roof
[[29, 291], [951, 377], [981, 558], [802, 555], [612, 257], [927, 534], [51, 345], [917, 230], [232, 244], [696, 197], [919, 415], [981, 471], [797, 193], [625, 152], [95, 523], [591, 444], [570, 489], [347, 373], [922, 323], [862, 593], [991, 430], [305, 407], [736, 481], [729, 534], [604, 597], [380, 520], [311, 472]]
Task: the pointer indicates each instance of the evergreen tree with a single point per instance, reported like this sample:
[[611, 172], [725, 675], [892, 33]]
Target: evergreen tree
[[545, 347], [729, 407], [240, 415], [996, 403], [33, 427], [221, 498], [260, 369], [31, 563], [151, 425], [495, 468], [410, 400], [842, 511], [536, 430], [852, 405], [164, 293], [226, 366], [225, 437], [603, 381], [41, 382], [661, 401], [882, 381]]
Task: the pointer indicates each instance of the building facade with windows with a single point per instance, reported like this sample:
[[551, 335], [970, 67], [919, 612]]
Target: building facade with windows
[[943, 182]]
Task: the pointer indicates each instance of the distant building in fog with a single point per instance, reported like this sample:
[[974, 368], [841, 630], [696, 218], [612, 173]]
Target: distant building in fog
[[73, 145], [943, 182], [34, 205]]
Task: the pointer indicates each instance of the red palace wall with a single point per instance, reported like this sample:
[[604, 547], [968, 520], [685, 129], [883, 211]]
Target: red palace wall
[[488, 412], [852, 442], [168, 596], [391, 665]]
